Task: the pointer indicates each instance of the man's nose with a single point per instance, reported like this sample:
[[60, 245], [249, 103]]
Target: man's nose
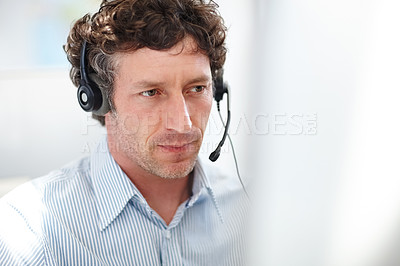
[[177, 116]]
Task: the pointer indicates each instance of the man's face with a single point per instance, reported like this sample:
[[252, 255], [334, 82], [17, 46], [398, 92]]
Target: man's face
[[162, 101]]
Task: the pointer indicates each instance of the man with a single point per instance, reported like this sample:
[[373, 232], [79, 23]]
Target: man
[[142, 197]]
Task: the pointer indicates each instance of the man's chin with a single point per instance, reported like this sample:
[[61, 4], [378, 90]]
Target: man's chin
[[173, 170]]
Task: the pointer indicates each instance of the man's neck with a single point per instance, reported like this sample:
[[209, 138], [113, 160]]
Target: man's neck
[[164, 195]]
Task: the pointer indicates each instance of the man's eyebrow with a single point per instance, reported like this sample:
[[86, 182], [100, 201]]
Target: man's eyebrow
[[200, 79], [144, 84]]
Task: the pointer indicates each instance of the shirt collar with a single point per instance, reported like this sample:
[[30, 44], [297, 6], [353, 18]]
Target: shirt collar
[[202, 180], [113, 189]]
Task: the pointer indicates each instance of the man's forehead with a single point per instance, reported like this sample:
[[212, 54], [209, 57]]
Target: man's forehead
[[183, 61], [185, 52], [187, 45]]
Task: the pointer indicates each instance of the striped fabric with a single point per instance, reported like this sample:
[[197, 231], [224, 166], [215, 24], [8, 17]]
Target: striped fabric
[[90, 213]]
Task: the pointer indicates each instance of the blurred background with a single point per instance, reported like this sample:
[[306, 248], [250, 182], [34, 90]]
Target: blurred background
[[315, 88]]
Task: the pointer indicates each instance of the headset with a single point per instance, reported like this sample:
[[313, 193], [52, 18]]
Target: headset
[[90, 96], [93, 99]]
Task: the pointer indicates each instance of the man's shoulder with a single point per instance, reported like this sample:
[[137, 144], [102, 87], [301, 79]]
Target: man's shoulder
[[67, 173], [23, 212], [32, 193], [27, 205]]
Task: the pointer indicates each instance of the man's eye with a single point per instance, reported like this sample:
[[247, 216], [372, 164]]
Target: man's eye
[[198, 88], [149, 93]]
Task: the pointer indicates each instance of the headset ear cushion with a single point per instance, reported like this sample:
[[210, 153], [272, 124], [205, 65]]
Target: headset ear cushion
[[86, 96], [105, 105]]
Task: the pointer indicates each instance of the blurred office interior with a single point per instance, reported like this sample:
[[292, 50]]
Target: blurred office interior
[[315, 119]]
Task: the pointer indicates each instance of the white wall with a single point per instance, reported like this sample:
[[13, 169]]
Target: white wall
[[42, 125]]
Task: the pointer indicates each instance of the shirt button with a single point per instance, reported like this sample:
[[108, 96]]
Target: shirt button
[[167, 234]]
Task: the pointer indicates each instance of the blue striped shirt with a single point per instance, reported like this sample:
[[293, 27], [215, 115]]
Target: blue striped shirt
[[90, 213]]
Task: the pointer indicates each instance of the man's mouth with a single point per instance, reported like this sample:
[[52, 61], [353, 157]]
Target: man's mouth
[[178, 147]]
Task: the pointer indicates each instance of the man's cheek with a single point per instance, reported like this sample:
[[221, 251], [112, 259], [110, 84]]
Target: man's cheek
[[130, 124], [149, 122], [202, 120]]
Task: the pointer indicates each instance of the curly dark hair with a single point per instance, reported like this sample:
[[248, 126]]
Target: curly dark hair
[[128, 25]]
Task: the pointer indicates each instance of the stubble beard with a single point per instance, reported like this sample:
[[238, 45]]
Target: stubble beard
[[143, 155]]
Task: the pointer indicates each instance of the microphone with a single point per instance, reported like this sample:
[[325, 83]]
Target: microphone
[[221, 89], [219, 95]]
